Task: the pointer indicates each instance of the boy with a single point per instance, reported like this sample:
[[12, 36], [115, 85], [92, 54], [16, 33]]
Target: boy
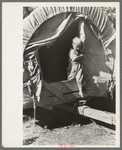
[[75, 69]]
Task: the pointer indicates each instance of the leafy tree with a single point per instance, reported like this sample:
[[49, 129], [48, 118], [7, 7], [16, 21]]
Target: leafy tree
[[111, 13], [27, 11]]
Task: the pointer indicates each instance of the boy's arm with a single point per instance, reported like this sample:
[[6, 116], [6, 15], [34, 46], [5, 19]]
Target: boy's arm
[[77, 58]]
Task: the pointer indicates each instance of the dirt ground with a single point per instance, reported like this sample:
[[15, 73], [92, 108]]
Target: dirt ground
[[60, 127]]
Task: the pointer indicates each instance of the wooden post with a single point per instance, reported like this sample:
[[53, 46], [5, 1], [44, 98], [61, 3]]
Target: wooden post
[[103, 116]]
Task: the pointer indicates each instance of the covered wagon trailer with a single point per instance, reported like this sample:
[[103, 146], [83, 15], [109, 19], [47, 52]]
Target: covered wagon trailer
[[47, 39]]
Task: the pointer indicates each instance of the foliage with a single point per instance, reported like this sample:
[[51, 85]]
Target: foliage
[[111, 13], [27, 11]]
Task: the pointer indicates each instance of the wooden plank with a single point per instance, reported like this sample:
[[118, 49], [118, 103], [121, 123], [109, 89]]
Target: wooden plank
[[62, 86], [30, 105], [45, 92], [67, 86], [103, 116], [65, 107], [49, 107], [54, 91], [55, 100]]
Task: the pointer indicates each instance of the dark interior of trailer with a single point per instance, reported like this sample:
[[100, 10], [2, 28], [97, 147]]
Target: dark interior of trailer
[[54, 59]]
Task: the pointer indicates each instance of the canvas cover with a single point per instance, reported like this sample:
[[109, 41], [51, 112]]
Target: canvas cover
[[45, 25]]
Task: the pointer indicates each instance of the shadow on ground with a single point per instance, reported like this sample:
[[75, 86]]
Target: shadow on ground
[[57, 117]]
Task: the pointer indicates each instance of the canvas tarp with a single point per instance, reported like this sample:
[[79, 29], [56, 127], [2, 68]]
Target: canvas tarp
[[45, 25]]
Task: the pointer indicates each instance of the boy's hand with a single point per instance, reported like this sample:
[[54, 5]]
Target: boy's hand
[[80, 55], [77, 58]]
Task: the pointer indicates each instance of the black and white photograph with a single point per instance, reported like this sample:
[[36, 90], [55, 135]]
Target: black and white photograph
[[69, 74]]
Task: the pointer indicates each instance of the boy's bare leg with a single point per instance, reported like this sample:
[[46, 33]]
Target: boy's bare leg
[[81, 92]]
